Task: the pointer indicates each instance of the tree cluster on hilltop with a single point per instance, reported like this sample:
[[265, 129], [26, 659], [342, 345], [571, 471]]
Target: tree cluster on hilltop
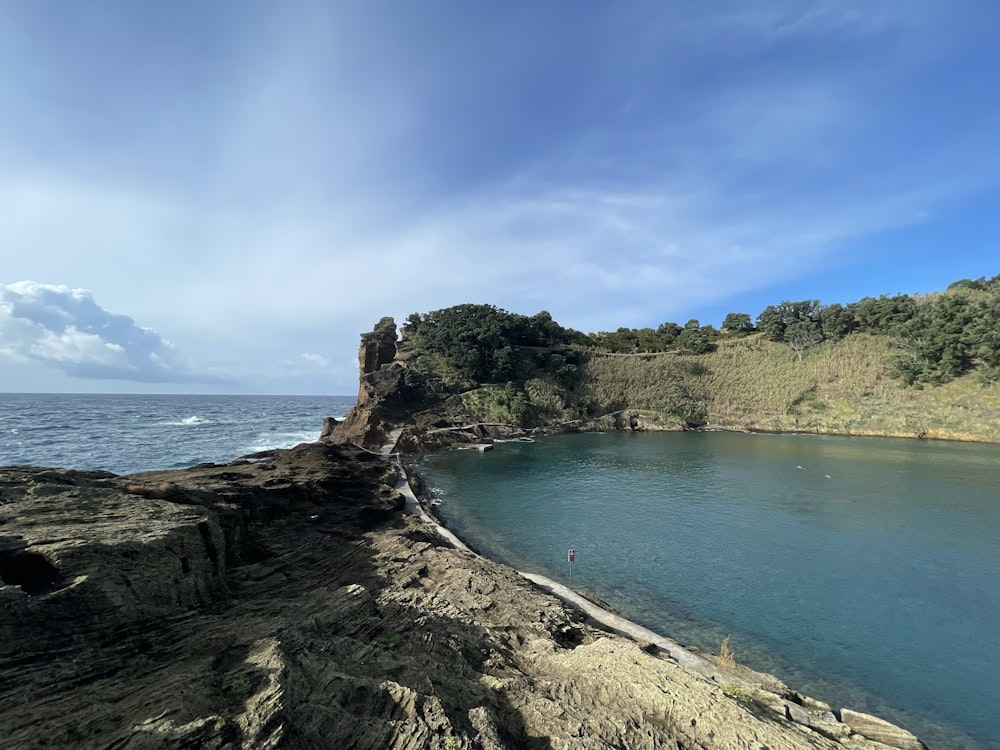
[[486, 344], [935, 337]]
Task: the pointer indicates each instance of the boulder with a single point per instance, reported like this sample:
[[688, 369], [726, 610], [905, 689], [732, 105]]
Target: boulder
[[880, 730]]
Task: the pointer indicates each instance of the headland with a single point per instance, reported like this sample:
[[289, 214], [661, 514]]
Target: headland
[[288, 600]]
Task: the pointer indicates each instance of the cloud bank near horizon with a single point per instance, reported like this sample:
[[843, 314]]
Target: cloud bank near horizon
[[64, 328]]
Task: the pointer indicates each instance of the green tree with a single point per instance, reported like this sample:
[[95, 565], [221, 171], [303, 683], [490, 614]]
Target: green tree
[[882, 315], [775, 320], [802, 336], [772, 323], [738, 323], [944, 337], [693, 339], [477, 341], [836, 321]]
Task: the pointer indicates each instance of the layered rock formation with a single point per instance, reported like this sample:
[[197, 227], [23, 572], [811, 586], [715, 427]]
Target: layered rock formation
[[392, 395], [286, 601], [151, 611], [395, 396]]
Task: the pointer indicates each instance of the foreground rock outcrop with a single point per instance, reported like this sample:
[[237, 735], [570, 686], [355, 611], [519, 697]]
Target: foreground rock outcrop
[[287, 601]]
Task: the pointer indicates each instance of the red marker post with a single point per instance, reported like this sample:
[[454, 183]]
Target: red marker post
[[572, 558]]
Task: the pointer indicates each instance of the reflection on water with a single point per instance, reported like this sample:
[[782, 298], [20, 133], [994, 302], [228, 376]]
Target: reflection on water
[[863, 571]]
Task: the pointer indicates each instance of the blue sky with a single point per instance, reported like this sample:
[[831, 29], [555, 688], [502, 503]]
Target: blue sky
[[219, 197]]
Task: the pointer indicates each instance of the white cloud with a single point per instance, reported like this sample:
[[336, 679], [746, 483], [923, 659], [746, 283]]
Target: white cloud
[[777, 20], [72, 348], [316, 359], [66, 329]]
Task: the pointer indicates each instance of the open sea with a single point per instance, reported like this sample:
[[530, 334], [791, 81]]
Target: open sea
[[128, 433], [864, 572]]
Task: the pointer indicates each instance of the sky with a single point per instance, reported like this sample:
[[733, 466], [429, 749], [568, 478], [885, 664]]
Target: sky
[[220, 197]]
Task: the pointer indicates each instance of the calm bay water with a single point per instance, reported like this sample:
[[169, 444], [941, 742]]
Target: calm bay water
[[128, 433], [862, 571]]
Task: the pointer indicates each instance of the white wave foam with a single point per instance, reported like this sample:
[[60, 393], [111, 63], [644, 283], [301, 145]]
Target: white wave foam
[[273, 440], [188, 421]]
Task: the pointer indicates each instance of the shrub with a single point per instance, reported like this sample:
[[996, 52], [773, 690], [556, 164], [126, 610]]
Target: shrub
[[726, 661]]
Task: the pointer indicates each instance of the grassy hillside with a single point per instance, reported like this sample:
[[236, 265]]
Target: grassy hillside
[[751, 383], [905, 366]]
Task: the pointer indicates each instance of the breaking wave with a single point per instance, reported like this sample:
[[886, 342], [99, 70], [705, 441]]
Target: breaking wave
[[189, 421]]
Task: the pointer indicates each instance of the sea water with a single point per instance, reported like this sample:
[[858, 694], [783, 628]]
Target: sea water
[[862, 571], [129, 433]]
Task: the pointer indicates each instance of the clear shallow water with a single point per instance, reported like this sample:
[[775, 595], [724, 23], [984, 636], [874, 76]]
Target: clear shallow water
[[128, 433], [862, 571]]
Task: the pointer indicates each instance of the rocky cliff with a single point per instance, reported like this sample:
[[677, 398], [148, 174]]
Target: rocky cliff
[[287, 601], [393, 395]]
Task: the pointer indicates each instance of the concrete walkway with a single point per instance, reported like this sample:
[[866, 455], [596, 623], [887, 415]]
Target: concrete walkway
[[390, 448], [605, 618], [414, 509], [620, 625]]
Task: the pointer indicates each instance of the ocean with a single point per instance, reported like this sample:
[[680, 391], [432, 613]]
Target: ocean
[[129, 433], [864, 572]]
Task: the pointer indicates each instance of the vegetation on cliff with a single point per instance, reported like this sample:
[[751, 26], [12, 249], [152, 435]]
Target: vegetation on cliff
[[923, 365], [486, 344]]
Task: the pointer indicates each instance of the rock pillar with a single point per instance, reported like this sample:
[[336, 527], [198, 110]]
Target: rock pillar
[[362, 426]]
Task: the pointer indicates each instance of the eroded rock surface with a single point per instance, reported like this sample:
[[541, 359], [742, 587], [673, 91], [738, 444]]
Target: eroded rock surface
[[391, 394], [286, 602]]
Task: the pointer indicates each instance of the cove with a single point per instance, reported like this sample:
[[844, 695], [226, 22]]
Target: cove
[[862, 571]]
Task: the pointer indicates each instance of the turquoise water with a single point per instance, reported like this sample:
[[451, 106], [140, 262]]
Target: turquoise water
[[862, 571]]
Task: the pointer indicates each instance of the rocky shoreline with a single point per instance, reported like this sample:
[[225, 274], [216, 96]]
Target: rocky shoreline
[[737, 681], [288, 600]]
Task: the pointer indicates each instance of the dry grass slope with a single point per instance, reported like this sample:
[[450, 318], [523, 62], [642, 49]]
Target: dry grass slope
[[838, 387], [667, 385]]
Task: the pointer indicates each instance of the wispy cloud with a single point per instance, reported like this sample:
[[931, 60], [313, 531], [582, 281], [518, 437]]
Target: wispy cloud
[[315, 359]]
